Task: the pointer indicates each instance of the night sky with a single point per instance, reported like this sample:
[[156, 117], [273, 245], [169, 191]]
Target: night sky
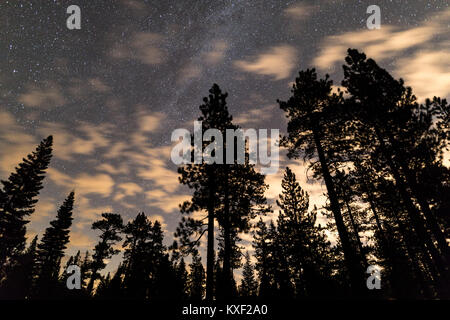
[[112, 92]]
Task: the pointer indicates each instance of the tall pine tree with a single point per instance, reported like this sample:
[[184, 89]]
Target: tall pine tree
[[17, 200], [51, 250]]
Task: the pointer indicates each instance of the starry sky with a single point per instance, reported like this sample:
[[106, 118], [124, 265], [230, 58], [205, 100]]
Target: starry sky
[[112, 92]]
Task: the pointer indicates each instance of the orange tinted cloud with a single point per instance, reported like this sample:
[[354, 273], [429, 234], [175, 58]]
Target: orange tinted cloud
[[217, 52], [44, 208], [83, 184], [277, 62], [425, 66], [299, 11], [84, 140], [15, 144], [47, 96], [143, 46]]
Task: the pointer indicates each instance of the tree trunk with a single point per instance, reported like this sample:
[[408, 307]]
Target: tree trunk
[[90, 286], [356, 232], [431, 221], [210, 245], [227, 278], [416, 218], [354, 268]]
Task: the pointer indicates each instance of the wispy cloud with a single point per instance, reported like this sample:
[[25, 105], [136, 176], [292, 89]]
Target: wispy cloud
[[145, 47], [422, 58], [45, 96], [428, 72], [84, 140], [127, 189], [14, 143], [299, 11], [277, 62], [217, 52]]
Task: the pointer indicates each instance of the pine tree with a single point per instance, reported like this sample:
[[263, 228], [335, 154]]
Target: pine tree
[[17, 200], [111, 225], [402, 138], [232, 194], [203, 178], [196, 281], [302, 243], [85, 269], [181, 279], [137, 259], [112, 287], [314, 128], [249, 286], [262, 242], [163, 273], [51, 250], [20, 279]]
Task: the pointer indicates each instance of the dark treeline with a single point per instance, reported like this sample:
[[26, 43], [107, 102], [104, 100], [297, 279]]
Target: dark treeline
[[377, 150]]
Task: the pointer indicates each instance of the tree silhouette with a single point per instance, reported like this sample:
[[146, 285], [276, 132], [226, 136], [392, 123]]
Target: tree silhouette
[[230, 193], [17, 200], [403, 137], [181, 281], [379, 152], [203, 179], [51, 250], [111, 225], [19, 282], [196, 281], [312, 128], [249, 286], [265, 264], [137, 255], [303, 243]]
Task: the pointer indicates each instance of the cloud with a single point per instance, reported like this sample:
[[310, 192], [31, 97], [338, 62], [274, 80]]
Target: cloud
[[98, 85], [152, 164], [189, 72], [44, 208], [161, 176], [100, 184], [128, 189], [380, 44], [299, 11], [115, 150], [15, 144], [114, 170], [427, 72], [146, 122], [256, 116], [59, 178], [143, 46], [85, 139], [85, 213], [277, 62], [160, 219], [165, 201], [420, 53], [150, 122], [217, 52], [46, 97], [84, 184], [80, 240]]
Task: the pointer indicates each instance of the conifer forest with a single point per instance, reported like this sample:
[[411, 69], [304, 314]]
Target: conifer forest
[[357, 208]]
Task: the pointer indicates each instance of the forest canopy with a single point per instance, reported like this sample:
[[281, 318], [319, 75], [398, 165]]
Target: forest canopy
[[379, 152]]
